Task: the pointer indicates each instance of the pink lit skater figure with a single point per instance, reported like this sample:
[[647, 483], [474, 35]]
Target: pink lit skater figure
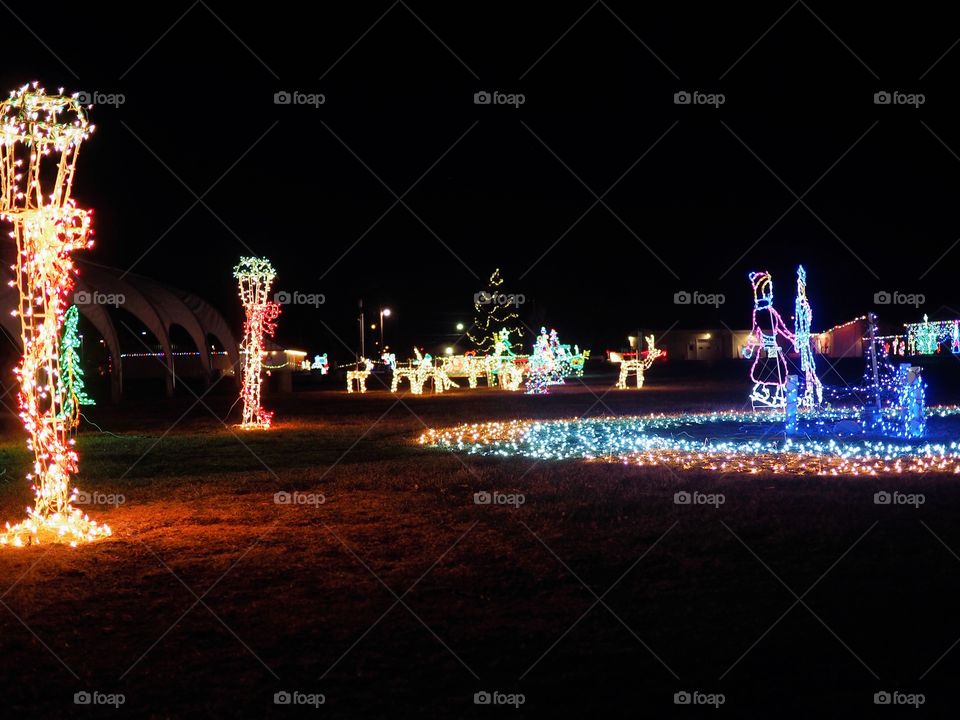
[[768, 383]]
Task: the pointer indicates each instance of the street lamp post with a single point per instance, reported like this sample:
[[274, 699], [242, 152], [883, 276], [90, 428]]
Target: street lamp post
[[384, 312]]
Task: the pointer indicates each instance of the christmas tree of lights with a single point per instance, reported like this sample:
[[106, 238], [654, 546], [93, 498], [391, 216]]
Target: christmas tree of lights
[[255, 277], [494, 311], [71, 388], [40, 138]]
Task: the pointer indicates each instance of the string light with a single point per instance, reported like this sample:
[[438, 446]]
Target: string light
[[639, 364], [729, 441], [493, 309], [254, 278], [40, 138]]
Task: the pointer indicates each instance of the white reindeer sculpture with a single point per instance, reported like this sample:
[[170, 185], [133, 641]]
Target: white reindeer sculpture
[[639, 365], [359, 376]]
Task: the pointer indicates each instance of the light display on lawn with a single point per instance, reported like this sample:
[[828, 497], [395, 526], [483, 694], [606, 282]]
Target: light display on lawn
[[639, 364], [359, 377], [726, 442], [540, 365], [70, 386], [803, 315], [890, 400], [427, 372], [255, 277], [40, 138], [502, 365], [769, 368], [406, 372], [494, 310], [469, 365], [321, 363], [924, 338]]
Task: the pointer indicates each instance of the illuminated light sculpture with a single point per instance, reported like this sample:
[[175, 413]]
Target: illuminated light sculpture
[[255, 277], [803, 314], [427, 372], [767, 326], [912, 402], [40, 138], [408, 372], [578, 360], [320, 363], [502, 366], [790, 427], [888, 402], [639, 365], [924, 338], [70, 375], [541, 366], [494, 309], [467, 366], [359, 376]]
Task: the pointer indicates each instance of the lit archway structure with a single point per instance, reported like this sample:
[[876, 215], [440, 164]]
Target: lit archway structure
[[157, 306]]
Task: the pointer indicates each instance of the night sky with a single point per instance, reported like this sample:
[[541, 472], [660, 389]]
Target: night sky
[[693, 197]]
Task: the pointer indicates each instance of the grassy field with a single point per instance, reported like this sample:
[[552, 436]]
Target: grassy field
[[398, 596]]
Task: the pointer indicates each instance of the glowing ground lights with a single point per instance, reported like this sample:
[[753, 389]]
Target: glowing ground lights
[[255, 276], [732, 442], [40, 137]]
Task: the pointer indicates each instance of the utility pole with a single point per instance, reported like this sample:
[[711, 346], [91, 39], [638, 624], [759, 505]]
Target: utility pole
[[363, 347]]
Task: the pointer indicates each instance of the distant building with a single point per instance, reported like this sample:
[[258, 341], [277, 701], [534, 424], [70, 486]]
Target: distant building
[[700, 344], [841, 341]]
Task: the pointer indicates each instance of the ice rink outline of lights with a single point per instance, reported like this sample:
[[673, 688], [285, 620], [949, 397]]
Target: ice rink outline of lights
[[724, 441]]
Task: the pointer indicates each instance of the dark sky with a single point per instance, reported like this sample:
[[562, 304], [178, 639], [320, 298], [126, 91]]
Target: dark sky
[[515, 188]]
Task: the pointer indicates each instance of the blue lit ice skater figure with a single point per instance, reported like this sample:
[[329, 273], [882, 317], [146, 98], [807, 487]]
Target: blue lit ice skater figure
[[803, 314]]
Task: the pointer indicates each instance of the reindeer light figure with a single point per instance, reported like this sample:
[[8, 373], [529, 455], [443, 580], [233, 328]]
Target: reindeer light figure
[[359, 376], [638, 365]]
